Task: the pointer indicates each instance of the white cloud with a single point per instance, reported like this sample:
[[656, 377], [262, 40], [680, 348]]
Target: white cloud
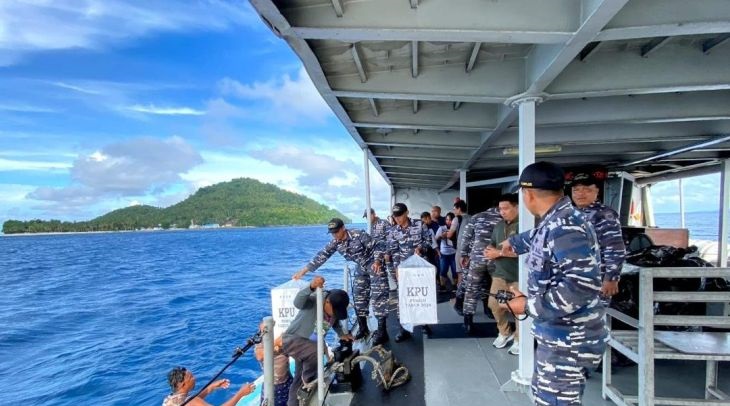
[[165, 111], [129, 168], [32, 165], [38, 25], [287, 99], [26, 108]]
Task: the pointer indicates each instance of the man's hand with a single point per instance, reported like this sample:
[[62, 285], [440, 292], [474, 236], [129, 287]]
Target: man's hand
[[317, 282], [300, 274], [346, 337], [377, 267], [465, 262], [507, 250], [517, 304], [417, 251], [609, 288], [221, 384], [246, 389], [492, 253]]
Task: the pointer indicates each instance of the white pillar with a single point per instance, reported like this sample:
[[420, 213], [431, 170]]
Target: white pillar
[[366, 168], [269, 360], [681, 204], [724, 220], [462, 184], [320, 347], [522, 377]]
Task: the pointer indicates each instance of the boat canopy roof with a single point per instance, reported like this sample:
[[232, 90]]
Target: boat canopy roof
[[432, 87]]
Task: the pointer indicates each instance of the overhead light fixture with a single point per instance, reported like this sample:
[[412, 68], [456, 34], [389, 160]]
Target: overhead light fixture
[[541, 149]]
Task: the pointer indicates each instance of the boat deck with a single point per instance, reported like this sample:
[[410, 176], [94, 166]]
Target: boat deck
[[451, 369]]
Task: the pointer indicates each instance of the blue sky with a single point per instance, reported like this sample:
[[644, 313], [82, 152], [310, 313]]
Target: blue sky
[[109, 103]]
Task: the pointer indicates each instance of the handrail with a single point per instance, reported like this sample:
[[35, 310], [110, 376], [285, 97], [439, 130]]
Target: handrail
[[320, 347], [268, 340], [686, 272]]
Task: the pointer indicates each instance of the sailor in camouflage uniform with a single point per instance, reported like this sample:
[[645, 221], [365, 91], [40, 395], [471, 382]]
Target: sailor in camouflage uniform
[[356, 246], [477, 236], [563, 284], [380, 290], [584, 190], [407, 237]]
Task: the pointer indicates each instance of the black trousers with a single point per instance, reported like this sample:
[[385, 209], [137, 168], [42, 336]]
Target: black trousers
[[304, 352]]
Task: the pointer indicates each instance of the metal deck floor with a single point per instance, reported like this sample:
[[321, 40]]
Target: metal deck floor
[[470, 371]]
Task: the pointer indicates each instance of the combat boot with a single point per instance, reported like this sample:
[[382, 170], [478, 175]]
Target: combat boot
[[403, 335], [487, 310], [459, 305], [362, 327], [380, 336], [469, 324]]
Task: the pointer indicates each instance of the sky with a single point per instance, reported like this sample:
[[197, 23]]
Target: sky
[[110, 103]]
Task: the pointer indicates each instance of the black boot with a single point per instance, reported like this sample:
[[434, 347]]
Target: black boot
[[427, 330], [469, 323], [403, 335], [362, 327], [380, 336], [459, 306]]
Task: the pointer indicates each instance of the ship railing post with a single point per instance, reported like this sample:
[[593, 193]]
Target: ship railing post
[[268, 361], [366, 169], [724, 231], [320, 347], [346, 288], [521, 378]]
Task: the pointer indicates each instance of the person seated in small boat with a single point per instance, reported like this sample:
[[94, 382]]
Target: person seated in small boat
[[282, 375], [182, 382], [299, 341]]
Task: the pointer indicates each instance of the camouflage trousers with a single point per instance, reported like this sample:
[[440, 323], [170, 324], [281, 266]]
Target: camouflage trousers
[[476, 285], [361, 292], [558, 379], [380, 292]]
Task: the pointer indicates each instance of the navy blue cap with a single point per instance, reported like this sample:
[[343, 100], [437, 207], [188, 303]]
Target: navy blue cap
[[399, 209], [335, 225], [542, 175], [584, 178]]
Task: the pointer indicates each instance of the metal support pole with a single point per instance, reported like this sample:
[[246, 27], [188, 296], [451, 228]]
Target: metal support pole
[[320, 347], [522, 377], [462, 184], [646, 337], [681, 204], [366, 169], [724, 220], [269, 361]]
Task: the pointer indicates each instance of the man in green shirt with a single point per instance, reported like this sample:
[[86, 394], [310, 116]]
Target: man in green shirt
[[506, 272]]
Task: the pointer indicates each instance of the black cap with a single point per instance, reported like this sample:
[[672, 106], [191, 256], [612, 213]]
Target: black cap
[[339, 300], [542, 175], [584, 178], [399, 209], [365, 213], [335, 225]]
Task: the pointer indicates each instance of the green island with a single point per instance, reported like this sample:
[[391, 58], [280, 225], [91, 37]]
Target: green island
[[241, 202]]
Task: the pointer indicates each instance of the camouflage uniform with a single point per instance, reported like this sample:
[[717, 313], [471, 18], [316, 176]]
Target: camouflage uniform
[[477, 236], [563, 298], [608, 230], [360, 248], [379, 283], [402, 242]]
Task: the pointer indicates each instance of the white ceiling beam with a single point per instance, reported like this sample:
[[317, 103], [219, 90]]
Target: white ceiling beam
[[473, 57], [489, 82], [279, 24], [714, 42], [337, 5], [677, 151], [653, 46], [667, 18], [431, 116], [494, 181], [506, 116], [674, 68], [514, 21], [546, 62], [357, 58], [421, 145], [420, 168], [418, 158], [374, 107], [414, 59]]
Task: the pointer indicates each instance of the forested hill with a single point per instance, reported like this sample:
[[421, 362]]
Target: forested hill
[[240, 202]]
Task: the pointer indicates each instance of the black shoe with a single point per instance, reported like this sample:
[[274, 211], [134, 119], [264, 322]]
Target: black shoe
[[380, 336], [403, 335], [427, 330], [459, 306], [362, 327], [469, 324]]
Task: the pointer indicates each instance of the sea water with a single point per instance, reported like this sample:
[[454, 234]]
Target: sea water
[[99, 319]]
